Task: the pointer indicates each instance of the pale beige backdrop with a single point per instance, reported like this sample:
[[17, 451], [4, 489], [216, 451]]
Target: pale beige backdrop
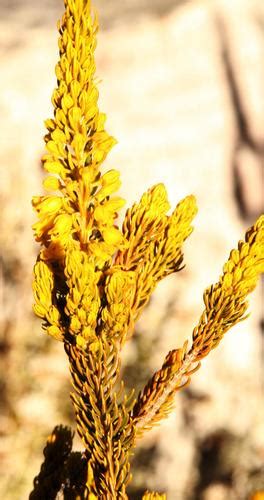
[[183, 89]]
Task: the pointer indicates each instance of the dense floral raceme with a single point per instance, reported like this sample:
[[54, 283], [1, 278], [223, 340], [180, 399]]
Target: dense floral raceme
[[80, 214], [92, 279], [225, 302], [225, 305]]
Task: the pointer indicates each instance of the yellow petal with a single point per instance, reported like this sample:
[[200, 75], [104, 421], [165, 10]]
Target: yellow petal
[[47, 204], [112, 236], [51, 183], [55, 332], [63, 223], [53, 167]]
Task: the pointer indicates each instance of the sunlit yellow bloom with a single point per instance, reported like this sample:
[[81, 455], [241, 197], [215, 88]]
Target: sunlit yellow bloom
[[117, 316], [76, 145], [52, 183], [155, 240], [225, 302], [82, 301], [92, 279]]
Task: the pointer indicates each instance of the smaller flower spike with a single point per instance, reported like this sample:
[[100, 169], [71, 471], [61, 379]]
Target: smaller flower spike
[[155, 240], [83, 298], [117, 315], [225, 302], [225, 305]]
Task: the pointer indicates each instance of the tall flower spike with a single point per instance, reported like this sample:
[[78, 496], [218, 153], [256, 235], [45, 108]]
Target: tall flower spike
[[81, 215]]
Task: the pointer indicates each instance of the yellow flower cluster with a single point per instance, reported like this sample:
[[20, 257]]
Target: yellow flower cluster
[[92, 279], [81, 213], [76, 298], [225, 302], [225, 305], [83, 300], [117, 315], [155, 240]]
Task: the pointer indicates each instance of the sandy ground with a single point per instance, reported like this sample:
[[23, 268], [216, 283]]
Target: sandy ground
[[182, 86]]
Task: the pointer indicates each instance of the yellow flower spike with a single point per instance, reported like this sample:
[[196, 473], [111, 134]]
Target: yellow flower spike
[[154, 240], [225, 305], [225, 302], [76, 145], [83, 299], [91, 280], [144, 223]]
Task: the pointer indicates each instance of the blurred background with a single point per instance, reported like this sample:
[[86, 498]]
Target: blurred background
[[183, 88]]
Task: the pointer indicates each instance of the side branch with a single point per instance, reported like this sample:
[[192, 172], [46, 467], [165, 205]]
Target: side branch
[[157, 398], [225, 305]]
